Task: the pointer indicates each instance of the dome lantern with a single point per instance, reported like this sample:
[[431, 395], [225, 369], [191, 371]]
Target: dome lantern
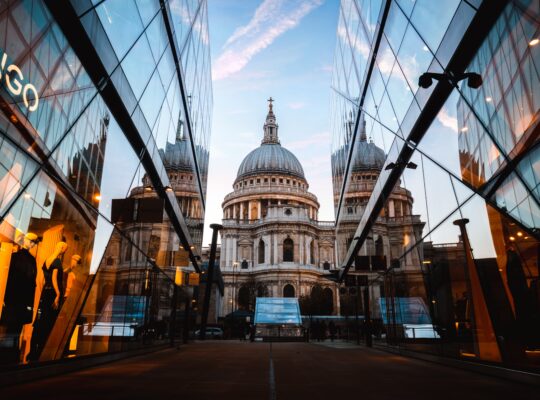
[[270, 157], [270, 126]]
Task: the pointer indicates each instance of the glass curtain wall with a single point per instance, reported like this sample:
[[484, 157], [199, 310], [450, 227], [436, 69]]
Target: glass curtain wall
[[451, 245], [89, 245]]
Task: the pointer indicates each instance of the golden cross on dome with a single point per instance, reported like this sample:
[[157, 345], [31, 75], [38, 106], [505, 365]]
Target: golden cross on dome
[[270, 100]]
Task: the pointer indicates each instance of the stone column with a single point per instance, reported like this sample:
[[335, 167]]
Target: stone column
[[391, 210], [234, 250], [308, 249], [275, 249], [317, 255], [255, 254], [229, 251], [242, 210], [300, 256], [234, 211], [267, 248], [223, 257], [259, 211]]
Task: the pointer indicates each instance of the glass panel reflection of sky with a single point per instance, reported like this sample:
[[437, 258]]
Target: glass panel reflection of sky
[[277, 310]]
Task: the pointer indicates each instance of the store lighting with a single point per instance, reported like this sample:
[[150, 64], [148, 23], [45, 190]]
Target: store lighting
[[168, 189], [27, 196], [534, 42], [97, 197], [520, 234], [489, 99], [512, 238]]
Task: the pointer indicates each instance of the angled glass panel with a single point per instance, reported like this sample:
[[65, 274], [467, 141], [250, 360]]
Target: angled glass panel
[[139, 65], [432, 19], [122, 23]]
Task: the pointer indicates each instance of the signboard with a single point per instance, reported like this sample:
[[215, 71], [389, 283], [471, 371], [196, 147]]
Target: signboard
[[179, 278], [13, 80], [193, 279]]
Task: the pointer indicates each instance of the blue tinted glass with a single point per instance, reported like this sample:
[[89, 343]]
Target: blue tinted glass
[[277, 311]]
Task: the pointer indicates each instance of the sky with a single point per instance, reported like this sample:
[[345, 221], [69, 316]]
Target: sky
[[278, 48]]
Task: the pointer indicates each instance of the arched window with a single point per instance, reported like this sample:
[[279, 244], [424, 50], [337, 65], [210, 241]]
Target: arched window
[[245, 264], [326, 265], [312, 252], [379, 248], [243, 298], [328, 301], [261, 251], [288, 290], [288, 250]]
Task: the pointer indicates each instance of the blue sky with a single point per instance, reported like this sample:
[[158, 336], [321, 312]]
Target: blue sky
[[278, 48]]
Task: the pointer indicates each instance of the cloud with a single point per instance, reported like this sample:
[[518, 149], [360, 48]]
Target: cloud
[[360, 45], [180, 9], [271, 19], [447, 120], [296, 105]]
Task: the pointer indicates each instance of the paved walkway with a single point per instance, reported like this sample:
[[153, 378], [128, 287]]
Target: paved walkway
[[282, 371]]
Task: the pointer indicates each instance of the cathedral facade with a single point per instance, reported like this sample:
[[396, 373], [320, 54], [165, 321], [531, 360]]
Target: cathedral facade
[[273, 244]]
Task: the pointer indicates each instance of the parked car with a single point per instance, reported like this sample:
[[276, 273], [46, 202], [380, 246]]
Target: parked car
[[211, 333]]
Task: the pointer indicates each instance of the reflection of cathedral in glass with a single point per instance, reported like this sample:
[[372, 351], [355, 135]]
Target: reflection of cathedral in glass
[[92, 214], [395, 230], [142, 219]]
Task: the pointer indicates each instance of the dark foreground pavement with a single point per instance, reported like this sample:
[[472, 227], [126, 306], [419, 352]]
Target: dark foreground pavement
[[241, 370]]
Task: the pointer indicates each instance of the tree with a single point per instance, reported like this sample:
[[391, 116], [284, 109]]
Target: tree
[[249, 291], [318, 302]]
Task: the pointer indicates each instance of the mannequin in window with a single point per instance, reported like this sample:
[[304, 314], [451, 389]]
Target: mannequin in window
[[50, 301], [70, 280], [19, 295]]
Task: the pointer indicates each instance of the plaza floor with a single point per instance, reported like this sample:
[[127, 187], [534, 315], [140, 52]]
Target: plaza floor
[[241, 370]]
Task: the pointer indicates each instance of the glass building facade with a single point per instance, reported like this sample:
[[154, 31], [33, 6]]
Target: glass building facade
[[445, 226], [104, 130]]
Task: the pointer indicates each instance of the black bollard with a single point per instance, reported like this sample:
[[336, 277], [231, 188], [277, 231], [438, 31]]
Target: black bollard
[[209, 280]]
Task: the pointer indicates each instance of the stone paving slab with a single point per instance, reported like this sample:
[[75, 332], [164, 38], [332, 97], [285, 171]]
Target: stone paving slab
[[219, 370]]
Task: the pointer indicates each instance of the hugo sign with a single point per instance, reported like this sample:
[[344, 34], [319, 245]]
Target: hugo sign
[[14, 81]]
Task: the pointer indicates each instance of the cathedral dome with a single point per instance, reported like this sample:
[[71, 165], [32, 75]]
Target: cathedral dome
[[177, 155], [368, 156], [270, 157]]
